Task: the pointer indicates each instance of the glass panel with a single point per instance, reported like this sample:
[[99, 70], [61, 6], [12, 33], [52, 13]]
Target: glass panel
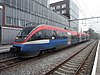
[[7, 2], [23, 34], [30, 6], [1, 1], [8, 20], [19, 4], [25, 5], [13, 2], [36, 36]]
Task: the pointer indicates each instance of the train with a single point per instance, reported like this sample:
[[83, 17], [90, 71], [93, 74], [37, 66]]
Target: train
[[32, 40]]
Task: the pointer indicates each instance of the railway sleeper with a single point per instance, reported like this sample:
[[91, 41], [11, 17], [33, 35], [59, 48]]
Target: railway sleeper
[[65, 72], [67, 65], [73, 63], [57, 73], [67, 69], [74, 68]]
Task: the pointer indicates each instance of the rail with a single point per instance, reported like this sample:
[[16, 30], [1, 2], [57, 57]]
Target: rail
[[63, 67]]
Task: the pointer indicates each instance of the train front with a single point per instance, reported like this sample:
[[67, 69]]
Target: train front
[[19, 45]]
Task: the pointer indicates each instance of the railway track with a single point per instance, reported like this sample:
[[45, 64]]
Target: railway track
[[7, 55], [86, 67], [74, 64], [9, 62]]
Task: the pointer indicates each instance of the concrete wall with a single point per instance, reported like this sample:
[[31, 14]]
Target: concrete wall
[[0, 24], [8, 34]]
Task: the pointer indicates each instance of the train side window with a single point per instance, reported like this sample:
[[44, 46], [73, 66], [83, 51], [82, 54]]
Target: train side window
[[75, 37], [60, 35], [47, 34], [72, 37], [64, 35], [54, 34], [36, 36], [69, 35]]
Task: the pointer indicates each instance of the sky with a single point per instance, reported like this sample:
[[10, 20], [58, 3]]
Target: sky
[[91, 9]]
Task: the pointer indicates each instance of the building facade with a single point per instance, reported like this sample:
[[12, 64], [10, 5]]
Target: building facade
[[0, 25], [67, 8], [15, 14], [74, 14]]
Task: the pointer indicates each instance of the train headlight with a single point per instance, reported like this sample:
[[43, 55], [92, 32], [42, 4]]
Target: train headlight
[[16, 37], [25, 38]]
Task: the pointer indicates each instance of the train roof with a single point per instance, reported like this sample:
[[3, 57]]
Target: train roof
[[83, 34], [74, 33], [44, 26], [60, 29]]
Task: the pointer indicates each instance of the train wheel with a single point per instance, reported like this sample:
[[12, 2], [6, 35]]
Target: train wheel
[[52, 50], [43, 52]]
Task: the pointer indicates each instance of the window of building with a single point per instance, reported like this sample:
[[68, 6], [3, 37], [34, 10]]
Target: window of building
[[19, 4], [7, 2], [30, 6], [17, 22], [14, 21], [63, 11], [52, 8], [8, 20], [64, 6], [25, 5], [21, 23], [1, 1], [13, 2], [58, 12], [58, 7]]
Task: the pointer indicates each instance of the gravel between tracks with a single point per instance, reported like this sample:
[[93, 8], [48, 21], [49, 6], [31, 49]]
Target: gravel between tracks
[[40, 66]]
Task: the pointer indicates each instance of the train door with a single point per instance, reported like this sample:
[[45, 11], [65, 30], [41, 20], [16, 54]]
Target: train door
[[0, 25], [69, 38]]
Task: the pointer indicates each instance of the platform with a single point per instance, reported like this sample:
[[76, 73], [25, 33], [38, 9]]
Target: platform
[[96, 66], [4, 48]]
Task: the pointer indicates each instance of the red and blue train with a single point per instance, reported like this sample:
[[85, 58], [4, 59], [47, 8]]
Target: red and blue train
[[34, 39]]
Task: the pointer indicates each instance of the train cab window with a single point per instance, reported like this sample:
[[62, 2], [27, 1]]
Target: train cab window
[[23, 34], [25, 31]]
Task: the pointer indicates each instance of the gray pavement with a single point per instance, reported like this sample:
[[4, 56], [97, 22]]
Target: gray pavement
[[98, 62], [96, 66], [5, 48]]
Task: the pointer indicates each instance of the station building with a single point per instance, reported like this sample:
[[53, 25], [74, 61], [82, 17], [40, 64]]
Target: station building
[[15, 14], [67, 8]]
